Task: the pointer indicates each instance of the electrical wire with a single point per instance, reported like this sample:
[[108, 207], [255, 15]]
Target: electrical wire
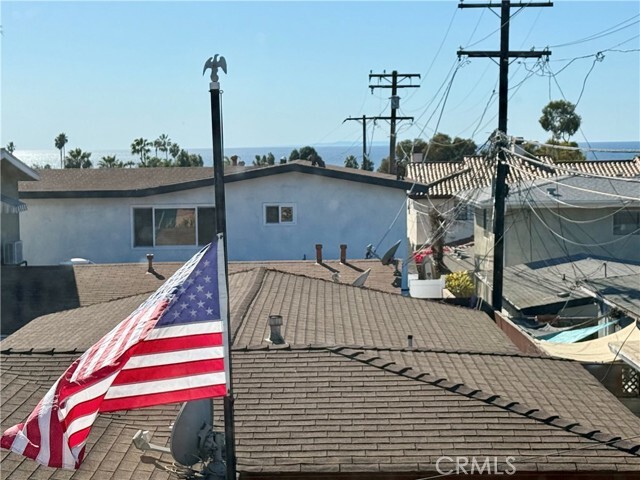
[[603, 33]]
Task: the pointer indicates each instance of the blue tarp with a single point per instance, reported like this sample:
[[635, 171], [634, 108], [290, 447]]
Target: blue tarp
[[572, 336]]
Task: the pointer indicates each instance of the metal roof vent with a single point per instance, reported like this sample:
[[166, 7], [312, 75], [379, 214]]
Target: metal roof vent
[[275, 336]]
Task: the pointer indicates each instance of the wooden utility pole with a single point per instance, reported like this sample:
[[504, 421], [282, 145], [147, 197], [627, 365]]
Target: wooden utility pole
[[364, 119], [504, 54], [395, 104]]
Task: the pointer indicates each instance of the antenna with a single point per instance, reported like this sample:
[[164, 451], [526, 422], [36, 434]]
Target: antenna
[[359, 282], [388, 257], [190, 429]]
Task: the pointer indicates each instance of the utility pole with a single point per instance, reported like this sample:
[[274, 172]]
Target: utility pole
[[395, 104], [504, 54], [364, 119]]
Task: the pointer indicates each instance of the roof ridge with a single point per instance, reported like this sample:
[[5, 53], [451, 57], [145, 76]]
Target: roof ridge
[[536, 414], [248, 299]]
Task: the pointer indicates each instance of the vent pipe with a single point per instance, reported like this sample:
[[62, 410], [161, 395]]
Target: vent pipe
[[150, 260], [318, 253], [343, 253], [275, 324], [410, 341]]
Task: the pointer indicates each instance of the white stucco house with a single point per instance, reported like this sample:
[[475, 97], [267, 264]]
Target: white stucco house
[[273, 213]]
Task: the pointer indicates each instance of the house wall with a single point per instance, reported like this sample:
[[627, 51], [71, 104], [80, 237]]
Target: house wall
[[10, 222], [327, 211], [529, 238], [419, 228]]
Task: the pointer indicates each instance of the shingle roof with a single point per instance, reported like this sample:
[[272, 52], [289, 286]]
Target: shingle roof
[[446, 179], [333, 408], [138, 182], [42, 290]]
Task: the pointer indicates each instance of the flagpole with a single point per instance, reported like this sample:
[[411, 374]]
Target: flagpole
[[221, 228]]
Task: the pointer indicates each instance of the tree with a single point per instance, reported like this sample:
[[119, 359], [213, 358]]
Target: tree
[[60, 141], [351, 162], [141, 146], [406, 148], [78, 159], [164, 143], [558, 154], [110, 161], [186, 159], [367, 164], [174, 150], [307, 151], [442, 148], [271, 159], [11, 147], [294, 155], [384, 166], [560, 118]]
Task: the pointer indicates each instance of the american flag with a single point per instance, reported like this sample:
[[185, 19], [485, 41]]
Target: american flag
[[171, 349]]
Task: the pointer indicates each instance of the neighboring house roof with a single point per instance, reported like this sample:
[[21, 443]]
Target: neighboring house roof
[[546, 286], [40, 290], [349, 397], [447, 179], [622, 291], [568, 191], [22, 171], [141, 182]]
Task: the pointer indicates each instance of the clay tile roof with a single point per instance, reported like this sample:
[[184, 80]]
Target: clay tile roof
[[448, 179]]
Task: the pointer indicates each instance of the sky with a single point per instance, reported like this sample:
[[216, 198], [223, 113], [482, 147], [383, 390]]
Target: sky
[[106, 73]]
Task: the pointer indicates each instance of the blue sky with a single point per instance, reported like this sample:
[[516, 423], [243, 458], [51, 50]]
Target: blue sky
[[108, 72]]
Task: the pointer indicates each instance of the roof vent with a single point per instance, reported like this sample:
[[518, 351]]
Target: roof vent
[[275, 336], [552, 191], [150, 260]]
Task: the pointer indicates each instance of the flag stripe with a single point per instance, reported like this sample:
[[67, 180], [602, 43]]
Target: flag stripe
[[211, 391], [177, 344], [173, 331], [173, 371], [146, 388], [167, 358]]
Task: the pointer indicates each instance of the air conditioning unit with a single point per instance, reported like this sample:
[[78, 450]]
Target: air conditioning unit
[[13, 253]]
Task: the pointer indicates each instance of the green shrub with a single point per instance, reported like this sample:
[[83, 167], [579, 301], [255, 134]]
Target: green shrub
[[460, 284]]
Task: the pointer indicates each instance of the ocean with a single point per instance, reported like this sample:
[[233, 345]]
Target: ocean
[[332, 154]]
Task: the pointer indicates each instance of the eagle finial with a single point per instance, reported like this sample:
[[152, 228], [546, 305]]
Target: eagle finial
[[214, 63]]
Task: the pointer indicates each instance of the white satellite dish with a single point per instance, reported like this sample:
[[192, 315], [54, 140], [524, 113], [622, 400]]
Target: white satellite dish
[[359, 282], [388, 257], [186, 441]]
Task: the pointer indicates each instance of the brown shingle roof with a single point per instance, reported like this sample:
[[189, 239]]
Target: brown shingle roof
[[150, 181], [446, 179], [332, 408], [306, 410]]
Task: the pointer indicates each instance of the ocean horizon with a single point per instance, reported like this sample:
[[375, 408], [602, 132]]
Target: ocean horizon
[[333, 154]]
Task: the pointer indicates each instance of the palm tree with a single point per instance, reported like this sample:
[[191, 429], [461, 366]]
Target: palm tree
[[60, 141], [164, 142], [141, 146], [78, 159], [174, 150], [110, 161]]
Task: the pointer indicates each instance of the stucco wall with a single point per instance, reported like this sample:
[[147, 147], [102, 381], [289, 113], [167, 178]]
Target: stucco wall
[[328, 211], [529, 238]]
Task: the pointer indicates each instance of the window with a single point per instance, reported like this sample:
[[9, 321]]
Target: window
[[626, 222], [173, 226], [279, 214]]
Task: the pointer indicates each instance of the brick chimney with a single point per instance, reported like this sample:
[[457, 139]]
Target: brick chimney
[[343, 253], [318, 253]]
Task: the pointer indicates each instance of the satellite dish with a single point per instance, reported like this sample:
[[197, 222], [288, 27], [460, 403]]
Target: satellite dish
[[185, 438], [359, 282], [387, 258]]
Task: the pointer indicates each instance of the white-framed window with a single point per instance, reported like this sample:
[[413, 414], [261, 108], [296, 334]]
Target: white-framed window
[[173, 226], [626, 222], [279, 214]]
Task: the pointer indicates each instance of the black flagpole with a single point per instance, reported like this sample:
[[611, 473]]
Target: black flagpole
[[221, 228]]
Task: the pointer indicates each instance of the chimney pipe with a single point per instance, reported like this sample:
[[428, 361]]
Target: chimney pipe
[[150, 260], [275, 336], [343, 253], [318, 253], [410, 341]]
